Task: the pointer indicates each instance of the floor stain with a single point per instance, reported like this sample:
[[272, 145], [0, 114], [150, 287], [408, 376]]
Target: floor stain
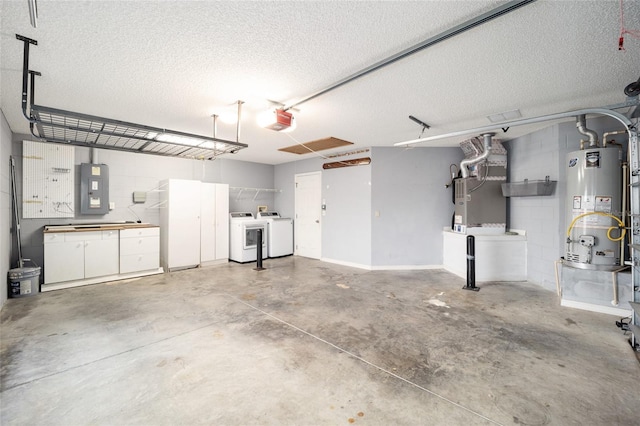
[[570, 322], [437, 302], [248, 296]]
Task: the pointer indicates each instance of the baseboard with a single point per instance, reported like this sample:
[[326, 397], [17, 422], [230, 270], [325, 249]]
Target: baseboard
[[405, 267], [98, 280], [609, 310], [343, 263], [382, 267]]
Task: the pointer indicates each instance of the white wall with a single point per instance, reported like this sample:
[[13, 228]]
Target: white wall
[[130, 172], [5, 207]]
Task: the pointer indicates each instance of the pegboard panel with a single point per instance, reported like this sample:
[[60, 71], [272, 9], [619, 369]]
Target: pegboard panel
[[48, 180]]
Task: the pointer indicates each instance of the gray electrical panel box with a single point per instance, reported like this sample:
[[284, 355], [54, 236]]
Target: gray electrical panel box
[[94, 188]]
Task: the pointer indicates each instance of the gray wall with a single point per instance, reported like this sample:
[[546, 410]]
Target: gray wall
[[533, 157], [346, 226], [141, 172], [5, 206], [413, 204], [405, 186]]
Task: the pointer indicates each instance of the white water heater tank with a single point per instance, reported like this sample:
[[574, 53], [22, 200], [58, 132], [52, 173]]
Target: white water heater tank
[[594, 190]]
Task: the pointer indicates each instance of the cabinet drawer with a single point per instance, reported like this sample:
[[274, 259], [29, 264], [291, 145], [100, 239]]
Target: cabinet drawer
[[139, 262], [139, 245], [57, 237], [110, 235], [82, 236], [140, 232]]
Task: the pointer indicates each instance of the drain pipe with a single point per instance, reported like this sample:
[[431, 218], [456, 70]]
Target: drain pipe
[[614, 281], [556, 263], [471, 161], [581, 125]]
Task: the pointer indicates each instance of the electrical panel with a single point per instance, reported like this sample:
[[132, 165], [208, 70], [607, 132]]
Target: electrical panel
[[94, 189]]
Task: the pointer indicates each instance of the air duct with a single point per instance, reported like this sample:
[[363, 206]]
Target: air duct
[[485, 154], [581, 125]]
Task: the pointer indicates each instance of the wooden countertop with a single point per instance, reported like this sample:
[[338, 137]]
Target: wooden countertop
[[96, 227]]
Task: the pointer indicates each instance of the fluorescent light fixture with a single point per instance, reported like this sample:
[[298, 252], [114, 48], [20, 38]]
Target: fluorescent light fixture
[[33, 13], [504, 116], [180, 140]]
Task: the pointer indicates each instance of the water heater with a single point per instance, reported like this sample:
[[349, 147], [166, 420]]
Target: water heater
[[593, 212]]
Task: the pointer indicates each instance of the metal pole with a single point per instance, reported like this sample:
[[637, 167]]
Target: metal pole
[[259, 252], [471, 264], [16, 213], [523, 121]]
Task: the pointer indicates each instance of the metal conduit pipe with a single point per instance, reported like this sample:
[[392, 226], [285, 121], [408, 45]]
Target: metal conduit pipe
[[581, 125], [596, 111], [471, 161]]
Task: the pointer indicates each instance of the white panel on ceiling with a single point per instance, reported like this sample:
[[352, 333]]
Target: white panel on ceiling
[[48, 180]]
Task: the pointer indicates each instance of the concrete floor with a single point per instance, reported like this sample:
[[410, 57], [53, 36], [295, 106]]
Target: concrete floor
[[311, 343]]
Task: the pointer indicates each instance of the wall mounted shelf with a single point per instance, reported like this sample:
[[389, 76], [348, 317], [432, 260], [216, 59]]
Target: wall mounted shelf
[[241, 190], [529, 188]]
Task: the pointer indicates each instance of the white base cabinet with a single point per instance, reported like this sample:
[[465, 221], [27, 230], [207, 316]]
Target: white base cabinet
[[139, 249], [79, 257], [76, 255]]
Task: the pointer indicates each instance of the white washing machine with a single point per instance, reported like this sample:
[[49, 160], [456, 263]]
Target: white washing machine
[[243, 237], [279, 234]]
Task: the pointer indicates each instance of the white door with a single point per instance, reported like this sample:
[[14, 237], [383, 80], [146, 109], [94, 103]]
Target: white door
[[308, 224]]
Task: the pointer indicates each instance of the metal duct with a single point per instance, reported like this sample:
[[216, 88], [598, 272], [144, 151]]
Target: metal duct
[[581, 125], [471, 161]]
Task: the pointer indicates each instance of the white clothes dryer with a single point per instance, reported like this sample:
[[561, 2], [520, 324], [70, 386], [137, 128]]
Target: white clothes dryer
[[243, 237], [279, 234]]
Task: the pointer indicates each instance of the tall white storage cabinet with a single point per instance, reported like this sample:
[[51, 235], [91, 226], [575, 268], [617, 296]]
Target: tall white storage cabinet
[[194, 221], [179, 224], [214, 224]]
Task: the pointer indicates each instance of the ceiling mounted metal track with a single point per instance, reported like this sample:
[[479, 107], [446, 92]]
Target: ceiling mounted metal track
[[73, 128], [451, 32]]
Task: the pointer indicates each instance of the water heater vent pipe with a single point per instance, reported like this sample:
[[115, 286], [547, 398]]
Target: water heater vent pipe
[[471, 161], [581, 125]]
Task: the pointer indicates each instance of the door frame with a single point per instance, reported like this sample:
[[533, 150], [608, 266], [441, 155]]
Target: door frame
[[295, 214]]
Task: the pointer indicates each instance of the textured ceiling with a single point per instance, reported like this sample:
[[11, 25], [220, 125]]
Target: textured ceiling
[[172, 64]]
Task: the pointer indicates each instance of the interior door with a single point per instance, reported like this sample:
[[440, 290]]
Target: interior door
[[308, 223]]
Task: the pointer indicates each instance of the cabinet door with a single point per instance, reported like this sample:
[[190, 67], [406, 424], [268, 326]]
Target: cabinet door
[[63, 261], [183, 228], [222, 221], [208, 222], [101, 258]]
